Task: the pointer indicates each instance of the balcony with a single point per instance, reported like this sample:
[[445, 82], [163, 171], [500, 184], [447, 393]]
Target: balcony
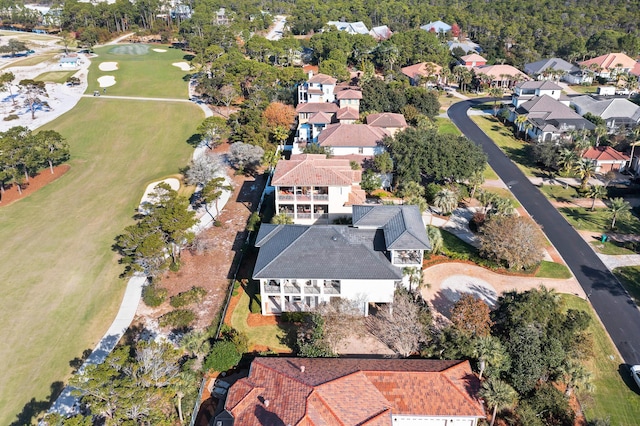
[[310, 287], [331, 286], [272, 287], [291, 287], [407, 257]]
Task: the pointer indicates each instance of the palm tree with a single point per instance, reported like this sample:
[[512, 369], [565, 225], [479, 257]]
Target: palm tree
[[490, 352], [282, 219], [496, 94], [446, 200], [476, 179], [435, 237], [600, 131], [575, 376], [585, 169], [596, 192], [567, 159], [519, 121], [618, 209], [527, 126], [499, 395], [485, 198]]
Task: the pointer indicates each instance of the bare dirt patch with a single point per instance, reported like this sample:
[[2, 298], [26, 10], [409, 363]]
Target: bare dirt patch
[[212, 270], [42, 179]]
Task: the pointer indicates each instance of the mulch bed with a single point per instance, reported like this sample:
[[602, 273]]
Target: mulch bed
[[437, 259], [36, 182]]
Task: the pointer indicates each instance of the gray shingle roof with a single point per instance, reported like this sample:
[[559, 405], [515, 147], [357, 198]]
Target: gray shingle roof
[[402, 225], [607, 108], [322, 252], [552, 63]]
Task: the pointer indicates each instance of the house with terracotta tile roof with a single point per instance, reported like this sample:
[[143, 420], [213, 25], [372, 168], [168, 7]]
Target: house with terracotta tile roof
[[318, 88], [348, 139], [349, 97], [424, 72], [354, 391], [473, 60], [609, 65], [310, 188], [388, 121], [313, 117], [302, 266], [605, 158], [504, 76]]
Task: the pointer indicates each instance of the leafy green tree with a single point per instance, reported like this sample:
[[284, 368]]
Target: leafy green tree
[[383, 163], [335, 69], [435, 238], [13, 46], [370, 181], [282, 219], [314, 148], [418, 153], [618, 208], [492, 356], [55, 149], [499, 395], [213, 130]]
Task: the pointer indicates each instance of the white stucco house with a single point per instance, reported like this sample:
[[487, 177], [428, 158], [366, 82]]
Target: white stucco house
[[527, 90], [310, 188], [300, 266], [353, 139]]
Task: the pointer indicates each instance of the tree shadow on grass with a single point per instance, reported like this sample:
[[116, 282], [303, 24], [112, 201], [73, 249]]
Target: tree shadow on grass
[[34, 407], [194, 140]]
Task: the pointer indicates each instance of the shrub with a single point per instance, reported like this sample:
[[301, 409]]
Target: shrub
[[11, 117], [255, 306], [223, 356], [153, 296], [294, 317], [195, 295], [253, 222], [477, 221], [236, 286], [431, 190], [180, 318]]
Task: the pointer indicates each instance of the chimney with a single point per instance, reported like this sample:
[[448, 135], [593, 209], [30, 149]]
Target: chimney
[[266, 403], [302, 367]]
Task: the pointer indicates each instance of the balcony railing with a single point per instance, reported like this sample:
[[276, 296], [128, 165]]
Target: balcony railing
[[292, 288], [271, 288], [332, 287], [323, 197], [283, 196], [304, 215], [311, 289]]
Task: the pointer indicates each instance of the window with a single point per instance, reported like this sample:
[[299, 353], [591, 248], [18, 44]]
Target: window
[[360, 150]]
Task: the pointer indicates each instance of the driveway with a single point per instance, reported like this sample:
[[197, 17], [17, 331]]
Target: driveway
[[613, 305]]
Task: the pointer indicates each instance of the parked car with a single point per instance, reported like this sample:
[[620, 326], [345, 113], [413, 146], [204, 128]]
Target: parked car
[[635, 373]]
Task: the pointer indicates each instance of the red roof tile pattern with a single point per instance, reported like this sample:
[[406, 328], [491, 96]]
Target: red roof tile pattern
[[347, 113], [604, 153], [386, 119], [320, 118], [424, 69], [322, 79], [329, 107], [610, 61], [349, 391], [474, 57], [498, 72], [348, 135], [315, 169], [349, 94]]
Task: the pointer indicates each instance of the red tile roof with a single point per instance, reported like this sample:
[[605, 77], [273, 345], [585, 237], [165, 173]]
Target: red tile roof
[[321, 118], [604, 153], [315, 169], [412, 71], [386, 119], [498, 72], [347, 113], [323, 79], [349, 391], [349, 94], [317, 107], [610, 61], [474, 57], [359, 135]]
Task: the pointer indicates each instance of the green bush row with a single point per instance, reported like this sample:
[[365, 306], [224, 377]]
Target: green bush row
[[194, 295], [180, 318]]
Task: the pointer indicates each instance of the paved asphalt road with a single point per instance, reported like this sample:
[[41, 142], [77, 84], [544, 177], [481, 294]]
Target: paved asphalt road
[[617, 311]]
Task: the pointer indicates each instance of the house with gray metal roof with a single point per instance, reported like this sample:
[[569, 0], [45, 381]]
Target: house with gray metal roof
[[300, 267], [549, 68], [615, 112]]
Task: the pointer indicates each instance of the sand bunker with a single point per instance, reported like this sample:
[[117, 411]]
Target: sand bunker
[[107, 81], [182, 65], [160, 50], [108, 66], [147, 198]]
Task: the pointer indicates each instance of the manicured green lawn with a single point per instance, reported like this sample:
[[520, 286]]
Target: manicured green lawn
[[599, 220], [60, 278], [553, 270], [31, 60], [55, 76], [160, 78], [615, 395], [559, 192], [446, 127], [610, 248], [489, 174], [271, 336], [629, 277], [585, 89], [502, 136]]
